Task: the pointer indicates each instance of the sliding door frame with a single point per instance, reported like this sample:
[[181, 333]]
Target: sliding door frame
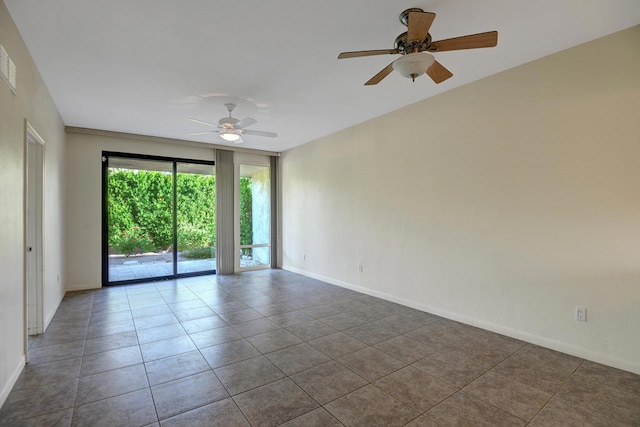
[[105, 215], [245, 159]]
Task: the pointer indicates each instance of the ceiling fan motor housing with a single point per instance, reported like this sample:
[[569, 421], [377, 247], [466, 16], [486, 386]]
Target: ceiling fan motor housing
[[230, 121], [403, 46]]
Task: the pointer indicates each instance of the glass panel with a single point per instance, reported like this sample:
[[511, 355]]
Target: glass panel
[[255, 257], [140, 219], [196, 217], [255, 216]]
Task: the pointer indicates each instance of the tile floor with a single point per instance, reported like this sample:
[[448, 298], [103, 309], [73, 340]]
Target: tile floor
[[274, 348]]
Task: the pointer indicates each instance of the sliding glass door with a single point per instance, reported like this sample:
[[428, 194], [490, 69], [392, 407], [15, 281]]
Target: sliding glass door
[[158, 218], [196, 217]]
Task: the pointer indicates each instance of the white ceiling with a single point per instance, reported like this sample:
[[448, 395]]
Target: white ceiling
[[144, 66]]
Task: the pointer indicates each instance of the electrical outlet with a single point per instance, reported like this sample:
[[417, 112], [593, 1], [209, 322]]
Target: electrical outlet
[[304, 257], [361, 268], [581, 314]]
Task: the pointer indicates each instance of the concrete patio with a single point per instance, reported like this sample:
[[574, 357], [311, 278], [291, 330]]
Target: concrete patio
[[156, 265]]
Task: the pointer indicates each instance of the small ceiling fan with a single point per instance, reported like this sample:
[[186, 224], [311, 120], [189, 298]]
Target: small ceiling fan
[[231, 129], [415, 44]]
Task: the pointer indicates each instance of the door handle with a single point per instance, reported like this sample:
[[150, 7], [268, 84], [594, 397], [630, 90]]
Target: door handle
[[29, 249]]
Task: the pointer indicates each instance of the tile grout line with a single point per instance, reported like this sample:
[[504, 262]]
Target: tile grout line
[[242, 297]]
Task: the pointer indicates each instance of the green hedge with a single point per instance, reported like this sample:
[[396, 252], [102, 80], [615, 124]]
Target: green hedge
[[141, 217], [141, 212]]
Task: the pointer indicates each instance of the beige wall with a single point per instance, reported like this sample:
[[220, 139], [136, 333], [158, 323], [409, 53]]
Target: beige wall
[[84, 201], [504, 203], [31, 102]]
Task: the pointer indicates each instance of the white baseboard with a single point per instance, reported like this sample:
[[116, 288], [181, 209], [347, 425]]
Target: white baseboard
[[52, 313], [72, 288], [12, 380], [581, 352]]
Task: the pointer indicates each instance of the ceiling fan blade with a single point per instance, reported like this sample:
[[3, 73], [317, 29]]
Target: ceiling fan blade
[[473, 41], [381, 75], [204, 123], [360, 53], [204, 133], [247, 121], [419, 24], [260, 133], [438, 73]]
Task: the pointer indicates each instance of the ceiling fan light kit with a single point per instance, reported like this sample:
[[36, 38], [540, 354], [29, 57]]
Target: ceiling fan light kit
[[413, 65], [229, 136], [415, 44]]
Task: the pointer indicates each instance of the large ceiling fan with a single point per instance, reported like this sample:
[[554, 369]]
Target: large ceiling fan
[[415, 44], [231, 129]]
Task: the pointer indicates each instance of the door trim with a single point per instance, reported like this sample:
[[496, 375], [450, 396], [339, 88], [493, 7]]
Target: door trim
[[33, 232]]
